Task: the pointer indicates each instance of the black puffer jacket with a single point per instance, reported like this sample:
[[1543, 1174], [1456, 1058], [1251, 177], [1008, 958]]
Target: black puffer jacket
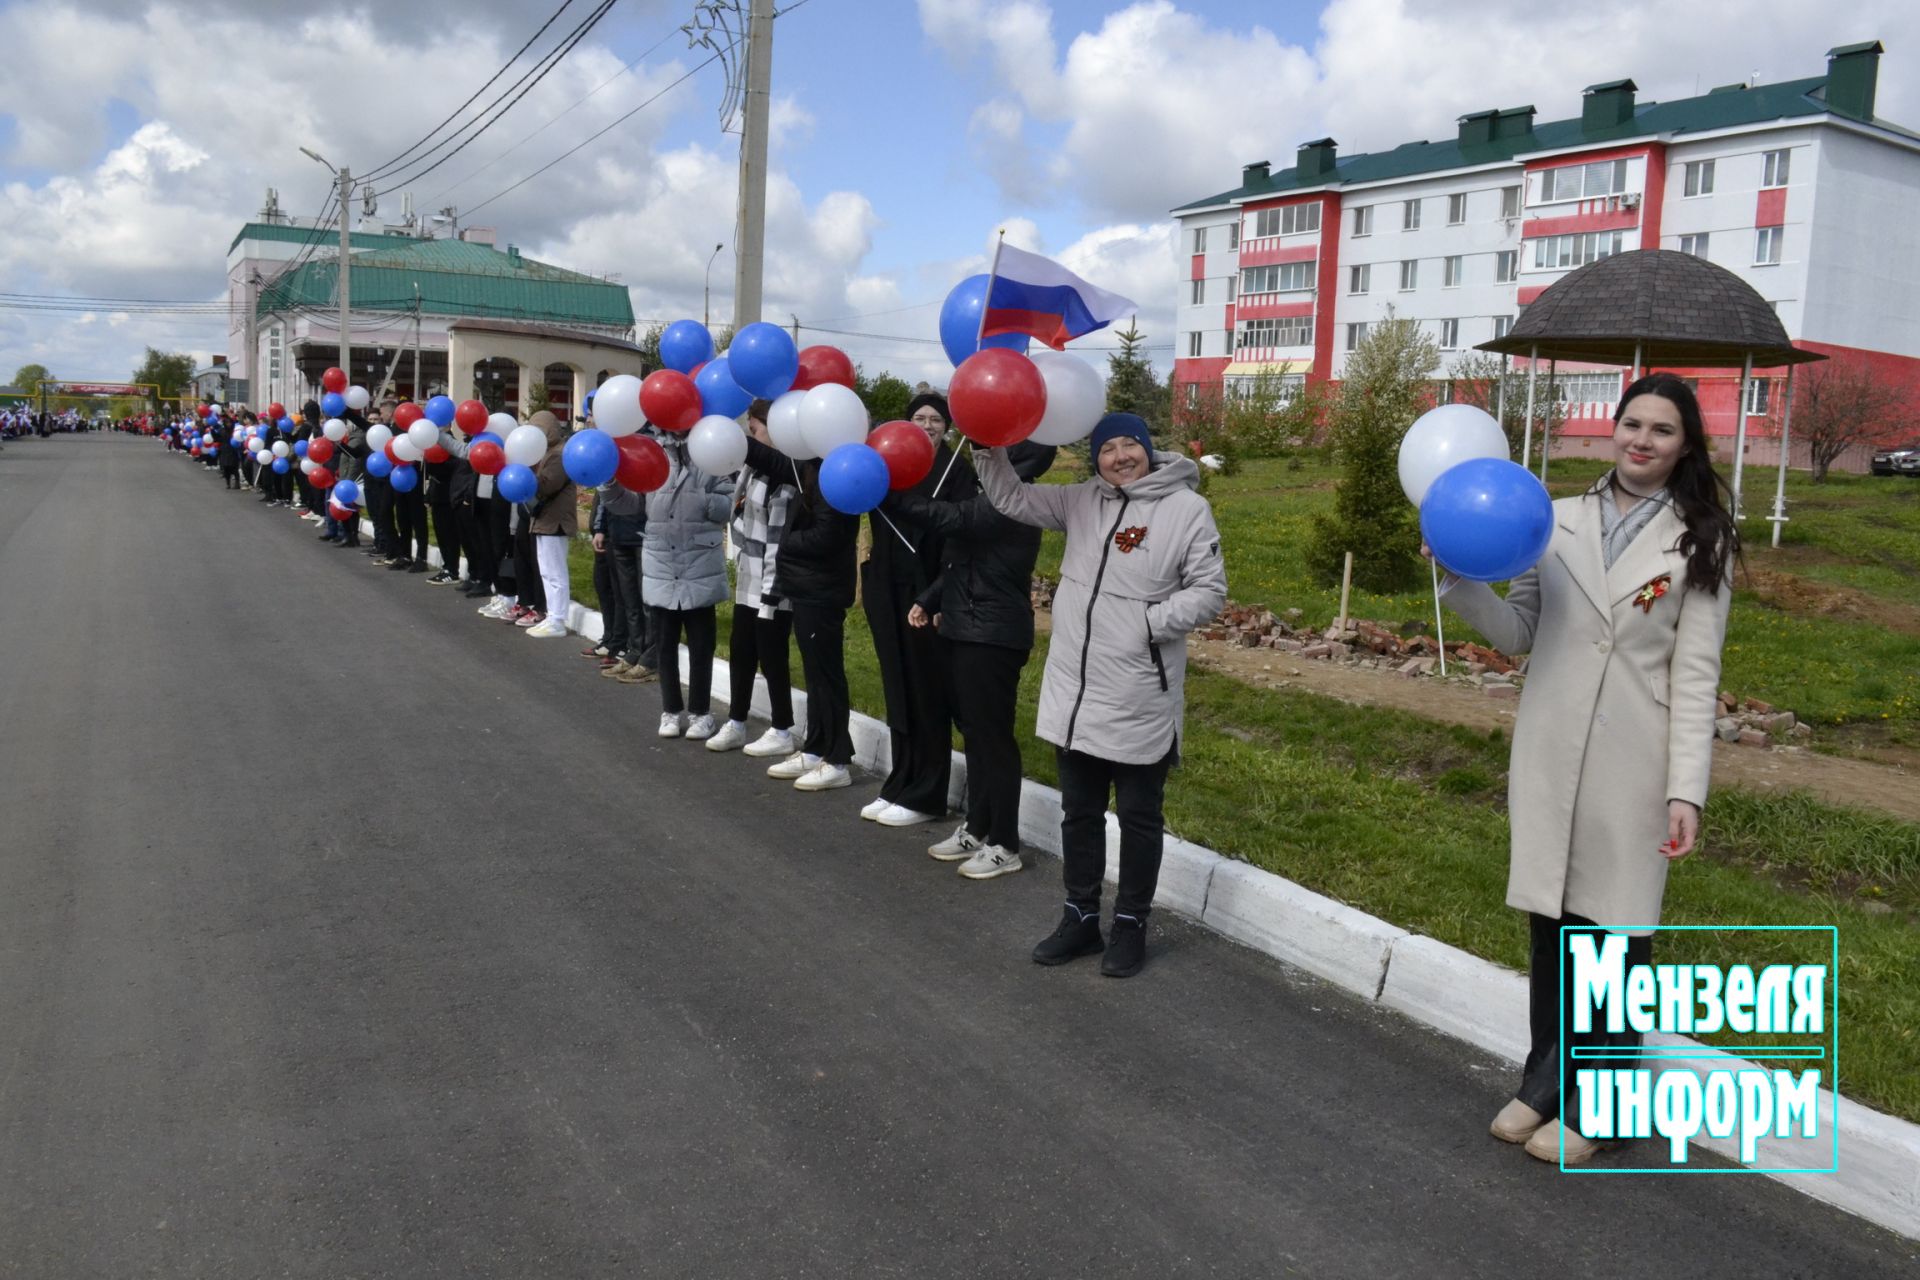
[[984, 594], [817, 550]]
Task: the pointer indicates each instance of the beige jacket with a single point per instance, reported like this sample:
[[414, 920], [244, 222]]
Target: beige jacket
[[1616, 718]]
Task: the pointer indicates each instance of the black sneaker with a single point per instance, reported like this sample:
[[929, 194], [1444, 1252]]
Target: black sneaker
[[442, 578], [1078, 935], [418, 566], [398, 562], [1126, 947]]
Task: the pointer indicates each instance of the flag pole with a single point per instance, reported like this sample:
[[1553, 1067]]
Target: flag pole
[[986, 299]]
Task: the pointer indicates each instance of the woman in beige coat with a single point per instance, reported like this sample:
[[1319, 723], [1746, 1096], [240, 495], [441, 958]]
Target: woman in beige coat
[[1624, 618]]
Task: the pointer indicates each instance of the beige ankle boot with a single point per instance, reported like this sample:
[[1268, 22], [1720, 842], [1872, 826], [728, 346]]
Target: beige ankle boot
[[1516, 1122], [1545, 1144]]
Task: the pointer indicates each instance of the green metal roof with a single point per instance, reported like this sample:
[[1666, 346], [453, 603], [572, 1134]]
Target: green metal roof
[[303, 235], [1718, 110], [457, 278]]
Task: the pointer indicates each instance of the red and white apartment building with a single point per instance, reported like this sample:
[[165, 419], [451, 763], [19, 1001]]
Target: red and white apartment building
[[1796, 187]]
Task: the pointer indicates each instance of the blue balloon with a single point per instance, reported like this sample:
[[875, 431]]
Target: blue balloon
[[347, 493], [685, 345], [439, 411], [854, 479], [280, 466], [960, 322], [379, 466], [489, 437], [286, 424], [516, 483], [763, 359], [333, 404], [403, 479], [1487, 519], [300, 448], [719, 393], [590, 457]]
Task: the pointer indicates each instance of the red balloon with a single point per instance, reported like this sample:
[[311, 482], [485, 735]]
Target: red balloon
[[320, 448], [998, 397], [487, 458], [670, 401], [337, 511], [906, 450], [320, 477], [434, 453], [821, 365], [643, 463], [194, 450], [470, 417], [408, 414], [392, 457], [334, 380], [276, 411], [204, 410]]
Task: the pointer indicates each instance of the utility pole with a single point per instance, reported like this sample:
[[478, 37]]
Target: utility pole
[[747, 271], [251, 296], [346, 252], [418, 397]]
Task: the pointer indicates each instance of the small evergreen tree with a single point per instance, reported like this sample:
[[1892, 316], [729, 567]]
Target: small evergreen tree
[[1132, 385], [650, 348], [885, 396]]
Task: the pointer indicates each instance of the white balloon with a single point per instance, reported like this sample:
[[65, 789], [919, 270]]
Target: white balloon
[[264, 457], [526, 445], [424, 434], [358, 397], [282, 449], [717, 445], [1444, 437], [405, 449], [830, 416], [502, 425], [308, 466], [377, 436], [1075, 398], [783, 426], [335, 430], [616, 405]]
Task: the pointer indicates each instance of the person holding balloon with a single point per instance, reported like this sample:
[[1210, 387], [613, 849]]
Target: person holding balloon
[[553, 520], [1141, 569], [1625, 615], [684, 568]]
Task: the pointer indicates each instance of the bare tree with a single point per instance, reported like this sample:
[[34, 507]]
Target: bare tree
[[1838, 404]]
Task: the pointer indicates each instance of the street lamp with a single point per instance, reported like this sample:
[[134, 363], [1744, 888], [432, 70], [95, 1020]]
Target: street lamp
[[706, 309], [346, 252]]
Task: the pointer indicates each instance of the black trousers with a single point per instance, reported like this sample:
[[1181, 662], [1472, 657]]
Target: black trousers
[[821, 634], [532, 592], [984, 692], [760, 644], [494, 514], [631, 619], [380, 507], [410, 515], [914, 682], [1137, 790], [702, 629], [614, 634], [1547, 1082], [446, 532], [466, 516]]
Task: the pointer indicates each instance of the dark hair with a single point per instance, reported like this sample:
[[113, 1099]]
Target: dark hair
[[1700, 497], [759, 409]]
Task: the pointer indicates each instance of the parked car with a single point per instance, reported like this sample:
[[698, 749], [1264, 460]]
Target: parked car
[[1901, 459]]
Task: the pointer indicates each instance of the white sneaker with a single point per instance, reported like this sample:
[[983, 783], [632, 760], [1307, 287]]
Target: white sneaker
[[898, 815], [548, 629], [731, 735], [793, 766], [672, 724], [956, 846], [700, 729], [498, 607], [823, 777], [874, 808], [991, 861], [774, 742]]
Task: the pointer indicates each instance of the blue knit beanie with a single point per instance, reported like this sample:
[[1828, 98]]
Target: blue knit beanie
[[1122, 424]]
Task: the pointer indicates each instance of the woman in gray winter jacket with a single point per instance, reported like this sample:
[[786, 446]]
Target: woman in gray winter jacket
[[1141, 569], [684, 571]]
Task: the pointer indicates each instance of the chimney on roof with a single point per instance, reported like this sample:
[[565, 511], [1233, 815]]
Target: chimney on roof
[[513, 254], [1514, 122], [1316, 159], [1477, 129], [1853, 74], [1607, 105], [1255, 174]]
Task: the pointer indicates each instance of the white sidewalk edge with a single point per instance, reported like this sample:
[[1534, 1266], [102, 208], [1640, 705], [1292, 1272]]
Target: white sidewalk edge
[[1441, 986]]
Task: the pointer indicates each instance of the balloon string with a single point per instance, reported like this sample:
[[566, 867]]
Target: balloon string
[[952, 458], [797, 482], [896, 531]]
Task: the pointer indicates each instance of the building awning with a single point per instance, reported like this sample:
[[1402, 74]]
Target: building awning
[[1254, 368]]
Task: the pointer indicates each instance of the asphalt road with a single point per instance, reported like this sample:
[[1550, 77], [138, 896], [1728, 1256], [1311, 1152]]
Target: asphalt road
[[345, 934]]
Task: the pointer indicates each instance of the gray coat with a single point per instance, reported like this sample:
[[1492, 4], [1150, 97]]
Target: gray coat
[[682, 562], [1142, 568]]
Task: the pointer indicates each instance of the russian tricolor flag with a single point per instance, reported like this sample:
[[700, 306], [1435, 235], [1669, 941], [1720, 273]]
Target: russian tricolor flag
[[1038, 297]]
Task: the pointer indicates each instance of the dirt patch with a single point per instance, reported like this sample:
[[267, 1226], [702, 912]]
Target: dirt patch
[[1790, 593]]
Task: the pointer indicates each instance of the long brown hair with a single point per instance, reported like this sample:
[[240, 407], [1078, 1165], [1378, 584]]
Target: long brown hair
[[1701, 498]]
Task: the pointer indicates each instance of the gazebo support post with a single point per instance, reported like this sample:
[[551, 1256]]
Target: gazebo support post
[[1779, 516], [1740, 436], [1636, 364], [1546, 423], [1533, 370], [1500, 395]]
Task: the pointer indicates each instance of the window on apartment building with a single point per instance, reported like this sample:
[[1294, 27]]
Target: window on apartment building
[[1451, 271], [1456, 209], [1199, 239], [1766, 246], [1588, 388], [1298, 218], [1268, 222], [1283, 277], [1449, 335], [1288, 331], [1510, 202], [1356, 334], [1233, 235], [1506, 266], [1233, 283], [1551, 252], [1759, 395], [1699, 178], [1195, 343], [1199, 293], [1409, 274], [1502, 326], [1695, 245], [1410, 216], [1363, 221], [1584, 181], [1360, 279], [1773, 168]]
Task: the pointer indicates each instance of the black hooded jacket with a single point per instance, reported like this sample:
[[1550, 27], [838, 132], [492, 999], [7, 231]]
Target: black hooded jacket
[[817, 549]]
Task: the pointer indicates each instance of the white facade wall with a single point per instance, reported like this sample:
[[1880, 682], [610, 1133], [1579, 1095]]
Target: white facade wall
[[1863, 259], [1208, 319], [1726, 215]]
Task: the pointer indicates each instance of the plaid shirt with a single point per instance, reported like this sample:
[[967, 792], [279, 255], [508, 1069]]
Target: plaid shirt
[[759, 518]]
